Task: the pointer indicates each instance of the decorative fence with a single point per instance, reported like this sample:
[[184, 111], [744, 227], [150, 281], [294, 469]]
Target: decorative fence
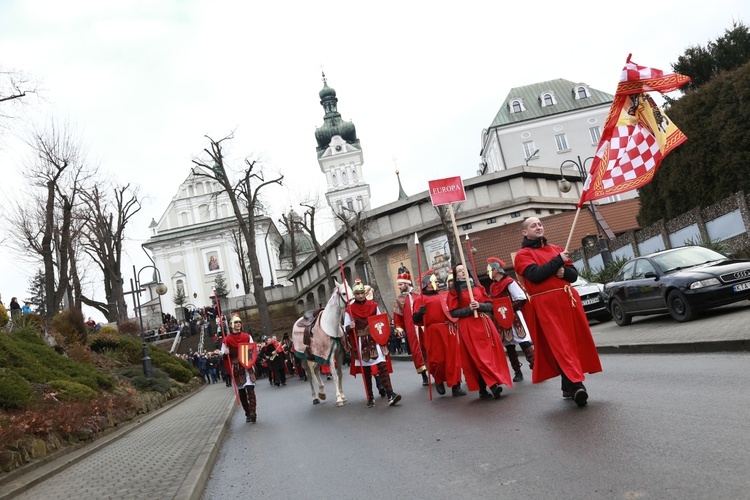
[[727, 221]]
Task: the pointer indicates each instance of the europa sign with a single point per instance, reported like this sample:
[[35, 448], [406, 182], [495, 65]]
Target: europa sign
[[449, 190]]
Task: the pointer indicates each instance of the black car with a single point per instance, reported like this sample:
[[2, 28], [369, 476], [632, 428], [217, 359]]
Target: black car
[[681, 281], [593, 299]]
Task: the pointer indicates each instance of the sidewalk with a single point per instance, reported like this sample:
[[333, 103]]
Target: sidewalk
[[170, 453]]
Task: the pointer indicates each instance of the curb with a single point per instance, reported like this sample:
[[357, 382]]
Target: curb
[[41, 473], [677, 347]]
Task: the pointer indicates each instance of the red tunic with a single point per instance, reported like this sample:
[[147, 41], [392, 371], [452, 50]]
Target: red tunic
[[440, 339], [359, 312], [482, 351], [558, 325], [402, 318]]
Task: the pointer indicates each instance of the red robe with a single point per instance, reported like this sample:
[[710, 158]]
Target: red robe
[[402, 318], [440, 339], [482, 351], [559, 327]]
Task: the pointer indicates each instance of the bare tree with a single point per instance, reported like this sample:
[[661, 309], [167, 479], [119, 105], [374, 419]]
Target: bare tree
[[47, 223], [308, 224], [15, 85], [356, 228], [103, 238], [290, 222], [239, 249], [243, 195]]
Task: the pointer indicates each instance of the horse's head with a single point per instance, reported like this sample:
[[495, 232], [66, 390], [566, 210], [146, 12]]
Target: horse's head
[[340, 297]]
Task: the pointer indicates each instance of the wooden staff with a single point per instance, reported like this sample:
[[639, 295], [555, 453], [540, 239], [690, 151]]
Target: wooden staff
[[471, 257], [461, 253]]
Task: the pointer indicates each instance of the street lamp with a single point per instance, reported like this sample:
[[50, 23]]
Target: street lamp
[[160, 290], [565, 186]]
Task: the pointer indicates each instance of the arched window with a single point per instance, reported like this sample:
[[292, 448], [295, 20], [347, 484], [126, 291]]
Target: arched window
[[184, 221], [582, 94], [516, 107], [547, 99], [179, 285], [204, 213], [354, 174], [334, 180], [191, 192], [199, 190], [344, 178]]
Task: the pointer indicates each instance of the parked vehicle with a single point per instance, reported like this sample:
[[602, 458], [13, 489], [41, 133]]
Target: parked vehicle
[[593, 299], [682, 281]]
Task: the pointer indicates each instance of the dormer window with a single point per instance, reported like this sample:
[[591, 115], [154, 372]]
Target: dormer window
[[547, 99], [581, 92], [516, 106]]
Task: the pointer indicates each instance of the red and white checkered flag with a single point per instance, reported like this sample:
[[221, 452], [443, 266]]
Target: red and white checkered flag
[[637, 134]]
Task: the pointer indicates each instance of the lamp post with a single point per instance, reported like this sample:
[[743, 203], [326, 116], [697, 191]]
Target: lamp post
[[160, 289], [565, 186]]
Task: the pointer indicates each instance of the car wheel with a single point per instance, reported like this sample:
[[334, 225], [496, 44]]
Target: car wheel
[[679, 307], [619, 314]]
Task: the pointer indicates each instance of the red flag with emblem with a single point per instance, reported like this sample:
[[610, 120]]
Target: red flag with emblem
[[637, 134], [247, 353], [380, 328], [502, 310]]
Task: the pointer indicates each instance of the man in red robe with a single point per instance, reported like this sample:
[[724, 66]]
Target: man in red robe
[[364, 347], [244, 379], [563, 340], [440, 335], [403, 310]]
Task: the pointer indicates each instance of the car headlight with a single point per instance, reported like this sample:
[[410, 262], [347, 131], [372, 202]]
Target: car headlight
[[702, 283]]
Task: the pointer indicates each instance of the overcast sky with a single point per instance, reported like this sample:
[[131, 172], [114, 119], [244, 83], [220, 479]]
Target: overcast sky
[[144, 80]]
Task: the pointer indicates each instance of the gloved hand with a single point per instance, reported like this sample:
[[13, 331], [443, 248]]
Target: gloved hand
[[422, 310]]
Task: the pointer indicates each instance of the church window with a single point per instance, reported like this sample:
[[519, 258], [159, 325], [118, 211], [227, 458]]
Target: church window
[[199, 189], [184, 219], [191, 193], [344, 178], [204, 214], [354, 174], [334, 181]]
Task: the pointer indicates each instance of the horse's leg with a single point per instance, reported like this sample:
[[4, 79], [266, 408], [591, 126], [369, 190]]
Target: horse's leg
[[309, 372], [338, 359], [319, 380]]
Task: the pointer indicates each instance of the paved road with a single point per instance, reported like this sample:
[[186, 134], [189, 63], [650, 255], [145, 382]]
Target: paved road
[[169, 454], [657, 426]]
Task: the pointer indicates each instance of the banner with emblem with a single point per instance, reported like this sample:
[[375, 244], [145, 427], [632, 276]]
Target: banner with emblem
[[502, 310], [380, 328], [247, 353]]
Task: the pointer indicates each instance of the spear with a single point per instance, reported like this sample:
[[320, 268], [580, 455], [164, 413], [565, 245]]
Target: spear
[[356, 339], [419, 278], [471, 256]]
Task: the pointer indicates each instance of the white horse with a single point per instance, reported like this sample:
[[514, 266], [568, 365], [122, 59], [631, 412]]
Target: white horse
[[323, 341]]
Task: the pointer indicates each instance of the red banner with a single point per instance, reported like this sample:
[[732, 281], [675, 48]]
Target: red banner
[[449, 190], [380, 328]]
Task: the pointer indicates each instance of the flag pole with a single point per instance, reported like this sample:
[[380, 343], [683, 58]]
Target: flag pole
[[461, 253], [572, 228], [356, 339], [419, 280]]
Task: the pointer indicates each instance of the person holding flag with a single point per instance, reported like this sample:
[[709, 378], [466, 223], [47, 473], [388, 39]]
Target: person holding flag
[[440, 335], [482, 354], [239, 353], [403, 310], [371, 340], [563, 340], [507, 299]]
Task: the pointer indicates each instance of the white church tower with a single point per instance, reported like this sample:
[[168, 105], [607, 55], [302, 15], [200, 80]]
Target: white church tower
[[340, 159]]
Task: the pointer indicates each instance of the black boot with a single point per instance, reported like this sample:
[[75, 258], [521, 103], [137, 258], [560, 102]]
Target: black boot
[[425, 381], [457, 391], [440, 388]]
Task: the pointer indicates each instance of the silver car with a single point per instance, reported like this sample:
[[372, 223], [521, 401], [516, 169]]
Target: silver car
[[593, 299]]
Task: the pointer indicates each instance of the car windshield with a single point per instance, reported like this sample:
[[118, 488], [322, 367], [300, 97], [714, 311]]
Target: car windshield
[[682, 258]]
